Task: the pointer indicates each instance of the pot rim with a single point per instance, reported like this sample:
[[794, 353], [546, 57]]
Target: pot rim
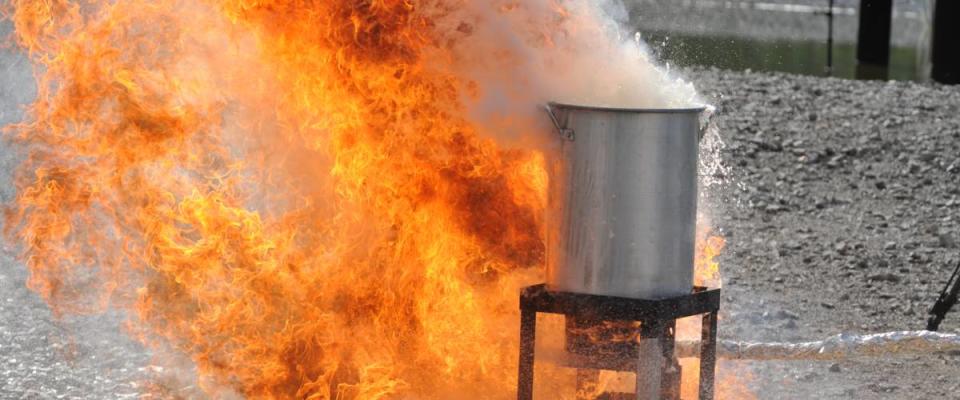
[[681, 110]]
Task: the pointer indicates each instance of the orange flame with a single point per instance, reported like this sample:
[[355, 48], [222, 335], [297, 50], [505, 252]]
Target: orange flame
[[290, 193], [729, 384], [706, 267]]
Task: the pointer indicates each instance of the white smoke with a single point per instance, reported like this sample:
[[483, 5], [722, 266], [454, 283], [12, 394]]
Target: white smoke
[[520, 54]]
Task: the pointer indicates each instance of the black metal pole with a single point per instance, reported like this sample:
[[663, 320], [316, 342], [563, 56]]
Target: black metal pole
[[830, 39], [946, 300], [873, 38], [946, 33]]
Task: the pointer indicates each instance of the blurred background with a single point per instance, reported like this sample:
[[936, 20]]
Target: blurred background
[[795, 36]]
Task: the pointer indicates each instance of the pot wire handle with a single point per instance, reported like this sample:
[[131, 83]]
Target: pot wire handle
[[565, 133]]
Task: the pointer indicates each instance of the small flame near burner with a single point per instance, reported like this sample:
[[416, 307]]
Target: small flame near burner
[[321, 200]]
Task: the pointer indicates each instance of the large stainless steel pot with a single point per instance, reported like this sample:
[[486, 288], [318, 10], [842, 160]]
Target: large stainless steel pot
[[623, 201]]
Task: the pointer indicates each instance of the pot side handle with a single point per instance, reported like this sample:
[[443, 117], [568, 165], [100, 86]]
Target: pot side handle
[[564, 132]]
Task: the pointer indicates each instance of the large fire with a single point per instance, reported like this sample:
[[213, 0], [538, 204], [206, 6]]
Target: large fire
[[308, 199]]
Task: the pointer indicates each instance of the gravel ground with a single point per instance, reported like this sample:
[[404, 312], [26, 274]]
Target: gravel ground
[[842, 214]]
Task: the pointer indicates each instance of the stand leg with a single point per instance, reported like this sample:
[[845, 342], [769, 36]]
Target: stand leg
[[708, 355], [528, 337], [670, 383], [650, 360], [587, 382]]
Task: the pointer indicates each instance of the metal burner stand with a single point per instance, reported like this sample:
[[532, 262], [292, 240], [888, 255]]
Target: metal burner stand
[[657, 319]]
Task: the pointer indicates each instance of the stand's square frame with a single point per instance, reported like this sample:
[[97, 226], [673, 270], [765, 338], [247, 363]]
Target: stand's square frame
[[654, 316]]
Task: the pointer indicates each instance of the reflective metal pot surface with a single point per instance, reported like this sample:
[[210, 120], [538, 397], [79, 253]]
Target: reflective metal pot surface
[[623, 201]]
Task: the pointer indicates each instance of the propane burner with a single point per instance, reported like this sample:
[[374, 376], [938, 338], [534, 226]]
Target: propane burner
[[651, 357]]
